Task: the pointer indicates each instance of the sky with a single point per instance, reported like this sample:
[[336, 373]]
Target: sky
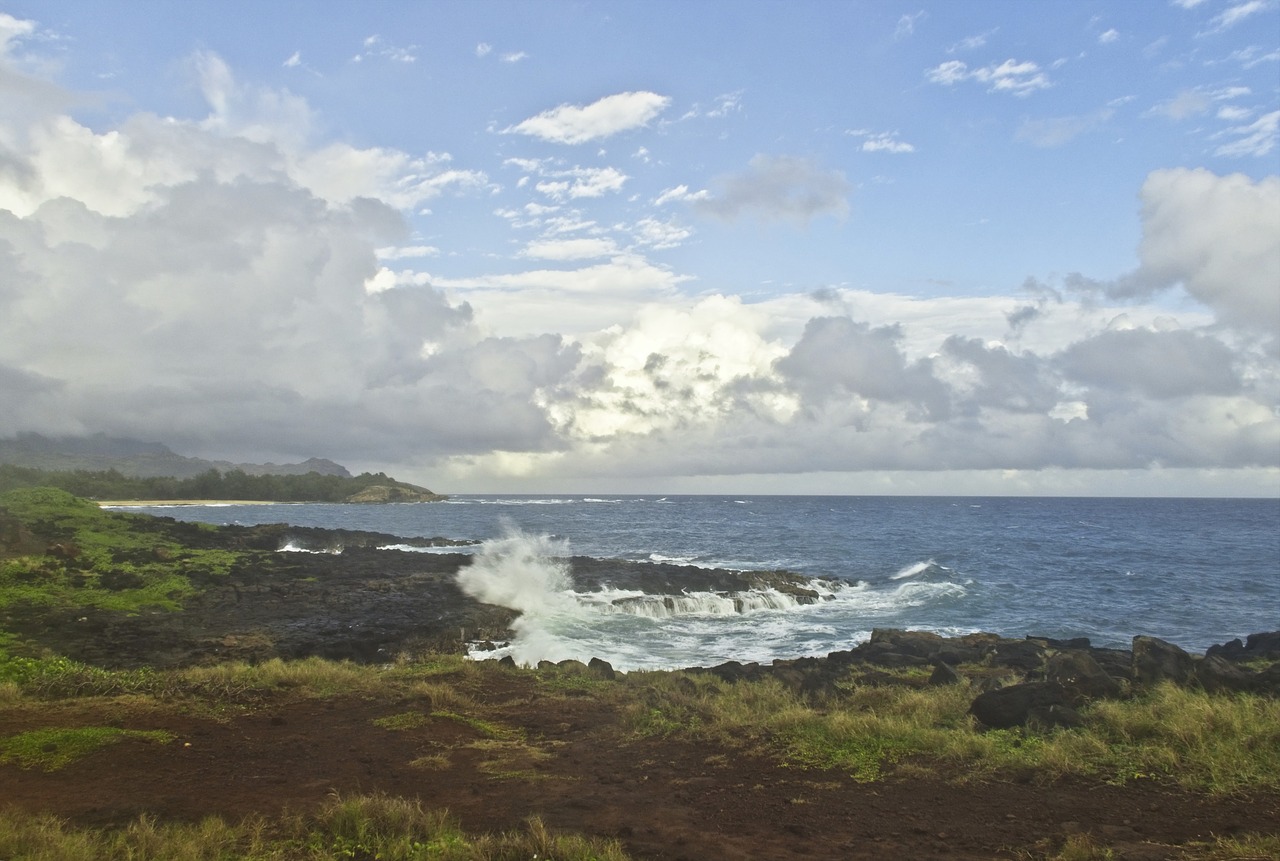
[[572, 246]]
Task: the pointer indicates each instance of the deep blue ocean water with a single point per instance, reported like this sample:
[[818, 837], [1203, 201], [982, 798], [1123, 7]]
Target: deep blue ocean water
[[1192, 571]]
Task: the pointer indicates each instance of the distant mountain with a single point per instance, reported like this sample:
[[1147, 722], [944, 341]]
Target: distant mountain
[[137, 459]]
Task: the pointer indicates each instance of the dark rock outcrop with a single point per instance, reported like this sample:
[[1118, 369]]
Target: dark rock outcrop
[[1080, 676], [1015, 705], [1155, 660]]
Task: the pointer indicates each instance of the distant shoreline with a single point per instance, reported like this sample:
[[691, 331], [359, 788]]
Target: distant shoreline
[[154, 503]]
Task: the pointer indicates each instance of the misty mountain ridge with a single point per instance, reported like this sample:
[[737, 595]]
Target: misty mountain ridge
[[137, 458]]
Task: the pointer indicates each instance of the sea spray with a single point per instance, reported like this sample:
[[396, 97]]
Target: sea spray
[[914, 569], [528, 573]]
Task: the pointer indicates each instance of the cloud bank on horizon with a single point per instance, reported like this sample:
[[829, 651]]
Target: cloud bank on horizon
[[859, 248]]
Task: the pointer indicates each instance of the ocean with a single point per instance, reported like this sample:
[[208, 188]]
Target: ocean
[[1192, 571]]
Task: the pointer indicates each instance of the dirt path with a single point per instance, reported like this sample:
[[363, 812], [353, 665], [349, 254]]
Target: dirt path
[[556, 757]]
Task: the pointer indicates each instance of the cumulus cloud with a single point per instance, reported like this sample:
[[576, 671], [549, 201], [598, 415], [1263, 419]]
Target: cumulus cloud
[[840, 358], [778, 187], [1218, 237], [1158, 365], [232, 285], [206, 283], [575, 124]]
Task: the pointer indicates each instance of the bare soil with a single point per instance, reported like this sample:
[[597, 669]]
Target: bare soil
[[662, 799]]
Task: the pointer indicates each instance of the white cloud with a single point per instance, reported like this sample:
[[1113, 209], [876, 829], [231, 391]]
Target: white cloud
[[1219, 238], [680, 194], [514, 57], [1018, 78], [907, 24], [375, 47], [342, 173], [592, 181], [1235, 14], [12, 31], [570, 249], [971, 43], [237, 279], [407, 252], [1109, 36], [1197, 100], [295, 60], [659, 235], [483, 49], [575, 124], [1256, 139], [881, 141]]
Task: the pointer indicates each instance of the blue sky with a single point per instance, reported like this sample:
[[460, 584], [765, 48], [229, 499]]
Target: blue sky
[[980, 247]]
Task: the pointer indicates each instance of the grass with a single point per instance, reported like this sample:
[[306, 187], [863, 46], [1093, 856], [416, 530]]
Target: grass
[[347, 827], [1220, 744], [53, 748], [1211, 743], [105, 560]]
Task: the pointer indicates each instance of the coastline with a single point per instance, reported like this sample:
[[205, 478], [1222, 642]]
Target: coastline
[[157, 503]]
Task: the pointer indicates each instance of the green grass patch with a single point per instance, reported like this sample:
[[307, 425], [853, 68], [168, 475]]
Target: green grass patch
[[51, 749], [1216, 743], [100, 559], [402, 721], [487, 729]]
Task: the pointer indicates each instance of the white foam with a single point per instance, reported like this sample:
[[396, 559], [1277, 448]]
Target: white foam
[[413, 548], [291, 547], [914, 569]]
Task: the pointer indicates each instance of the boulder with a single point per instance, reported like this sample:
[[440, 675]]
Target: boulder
[[1080, 676], [944, 674], [918, 644], [735, 671], [1014, 705], [1155, 660], [1023, 655], [601, 669], [1216, 674], [1055, 716], [1265, 645]]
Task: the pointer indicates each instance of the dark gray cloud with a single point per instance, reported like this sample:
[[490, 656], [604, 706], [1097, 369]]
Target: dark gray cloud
[[837, 357], [1159, 365], [1005, 381]]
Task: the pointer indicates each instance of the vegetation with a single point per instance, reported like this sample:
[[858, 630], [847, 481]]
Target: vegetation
[[55, 747], [99, 559], [212, 484], [361, 826], [1212, 743], [1216, 744], [1219, 744]]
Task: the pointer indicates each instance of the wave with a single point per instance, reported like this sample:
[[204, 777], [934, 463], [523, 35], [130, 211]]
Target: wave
[[293, 547], [414, 548], [531, 574]]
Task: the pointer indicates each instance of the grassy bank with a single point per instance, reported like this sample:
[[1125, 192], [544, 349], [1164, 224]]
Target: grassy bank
[[1211, 743], [56, 714], [1188, 740]]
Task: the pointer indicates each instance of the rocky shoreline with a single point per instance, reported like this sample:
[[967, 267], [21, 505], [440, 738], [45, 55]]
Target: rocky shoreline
[[350, 595]]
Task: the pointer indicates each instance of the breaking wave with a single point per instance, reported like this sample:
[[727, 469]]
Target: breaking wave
[[634, 629]]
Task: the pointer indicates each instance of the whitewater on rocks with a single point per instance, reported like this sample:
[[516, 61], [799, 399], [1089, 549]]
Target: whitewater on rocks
[[668, 582]]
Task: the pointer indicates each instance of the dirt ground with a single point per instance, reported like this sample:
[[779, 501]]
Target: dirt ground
[[661, 799]]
